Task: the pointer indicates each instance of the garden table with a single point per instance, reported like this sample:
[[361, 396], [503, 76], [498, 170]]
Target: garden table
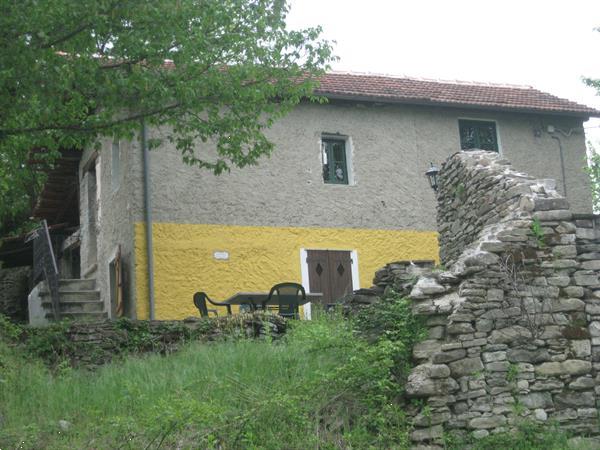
[[255, 300]]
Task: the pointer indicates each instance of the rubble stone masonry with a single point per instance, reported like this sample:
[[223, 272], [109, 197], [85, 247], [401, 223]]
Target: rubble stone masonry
[[513, 313]]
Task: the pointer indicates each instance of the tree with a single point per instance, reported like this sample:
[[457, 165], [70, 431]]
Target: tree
[[20, 185], [222, 71], [593, 171], [593, 168]]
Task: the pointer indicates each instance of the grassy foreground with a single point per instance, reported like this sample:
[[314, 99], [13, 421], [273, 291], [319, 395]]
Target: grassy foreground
[[330, 383], [321, 387]]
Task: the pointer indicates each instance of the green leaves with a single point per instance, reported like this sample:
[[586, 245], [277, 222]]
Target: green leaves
[[206, 70], [593, 171]]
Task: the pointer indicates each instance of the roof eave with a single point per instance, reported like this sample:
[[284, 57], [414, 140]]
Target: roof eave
[[426, 102]]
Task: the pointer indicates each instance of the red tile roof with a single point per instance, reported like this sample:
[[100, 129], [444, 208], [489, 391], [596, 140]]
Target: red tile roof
[[380, 88]]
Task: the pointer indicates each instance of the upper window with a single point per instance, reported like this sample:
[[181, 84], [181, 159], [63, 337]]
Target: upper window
[[478, 134], [335, 166]]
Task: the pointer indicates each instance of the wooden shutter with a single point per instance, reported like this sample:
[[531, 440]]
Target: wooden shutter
[[340, 273], [330, 273], [318, 273]]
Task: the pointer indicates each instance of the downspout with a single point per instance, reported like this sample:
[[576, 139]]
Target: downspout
[[148, 214], [562, 162]]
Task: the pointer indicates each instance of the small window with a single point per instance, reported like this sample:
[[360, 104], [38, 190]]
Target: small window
[[115, 164], [335, 167], [478, 134]]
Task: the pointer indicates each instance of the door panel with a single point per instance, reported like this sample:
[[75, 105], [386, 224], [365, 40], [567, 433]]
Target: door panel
[[330, 273], [318, 273], [340, 273]]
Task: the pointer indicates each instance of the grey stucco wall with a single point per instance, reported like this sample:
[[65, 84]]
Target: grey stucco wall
[[392, 146], [115, 218]]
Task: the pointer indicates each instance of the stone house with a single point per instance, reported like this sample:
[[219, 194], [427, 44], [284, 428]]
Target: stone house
[[343, 193]]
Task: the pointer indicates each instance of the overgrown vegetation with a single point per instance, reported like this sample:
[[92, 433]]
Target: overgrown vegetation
[[329, 383], [593, 171], [61, 343], [529, 435], [18, 194]]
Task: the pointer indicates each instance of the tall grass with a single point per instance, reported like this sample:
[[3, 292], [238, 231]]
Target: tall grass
[[329, 384], [321, 387]]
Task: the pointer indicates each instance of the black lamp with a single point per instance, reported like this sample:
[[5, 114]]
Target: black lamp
[[432, 174]]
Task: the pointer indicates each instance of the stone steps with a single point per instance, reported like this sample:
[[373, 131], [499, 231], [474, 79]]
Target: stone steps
[[77, 284], [68, 296], [76, 305], [79, 301], [80, 316]]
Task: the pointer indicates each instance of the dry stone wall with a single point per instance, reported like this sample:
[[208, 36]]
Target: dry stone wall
[[92, 344], [14, 287], [514, 319]]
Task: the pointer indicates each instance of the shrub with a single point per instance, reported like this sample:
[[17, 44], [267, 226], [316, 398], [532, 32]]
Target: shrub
[[391, 322]]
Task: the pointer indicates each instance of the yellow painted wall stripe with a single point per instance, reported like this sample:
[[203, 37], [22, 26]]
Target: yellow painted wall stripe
[[259, 257]]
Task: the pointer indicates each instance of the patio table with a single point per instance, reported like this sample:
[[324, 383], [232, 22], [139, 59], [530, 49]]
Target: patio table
[[256, 299]]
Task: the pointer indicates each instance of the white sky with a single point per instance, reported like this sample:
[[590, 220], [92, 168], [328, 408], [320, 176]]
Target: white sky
[[549, 44]]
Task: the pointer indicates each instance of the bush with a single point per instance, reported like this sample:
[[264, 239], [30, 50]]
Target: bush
[[9, 331], [362, 395]]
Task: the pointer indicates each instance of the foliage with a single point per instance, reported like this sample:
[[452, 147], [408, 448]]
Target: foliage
[[50, 343], [217, 71], [593, 171], [20, 185], [593, 166], [538, 232], [529, 435], [391, 320], [513, 372], [459, 192], [9, 331], [323, 386], [58, 343]]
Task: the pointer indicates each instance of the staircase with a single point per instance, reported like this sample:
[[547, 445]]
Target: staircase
[[79, 300]]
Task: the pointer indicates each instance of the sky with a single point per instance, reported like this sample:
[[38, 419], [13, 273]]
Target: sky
[[549, 45]]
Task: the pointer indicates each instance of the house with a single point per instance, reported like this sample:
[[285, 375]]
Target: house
[[343, 193]]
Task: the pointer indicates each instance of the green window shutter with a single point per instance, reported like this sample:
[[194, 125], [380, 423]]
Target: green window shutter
[[335, 167], [478, 134]]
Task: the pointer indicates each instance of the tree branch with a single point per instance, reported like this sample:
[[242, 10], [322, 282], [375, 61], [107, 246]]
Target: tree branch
[[67, 36], [79, 29], [84, 128]]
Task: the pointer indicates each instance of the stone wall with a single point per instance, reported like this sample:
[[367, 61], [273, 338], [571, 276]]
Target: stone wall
[[514, 319], [398, 276], [95, 343], [14, 287]]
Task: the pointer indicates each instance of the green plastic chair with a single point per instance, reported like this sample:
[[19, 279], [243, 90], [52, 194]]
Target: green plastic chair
[[200, 299], [287, 297]]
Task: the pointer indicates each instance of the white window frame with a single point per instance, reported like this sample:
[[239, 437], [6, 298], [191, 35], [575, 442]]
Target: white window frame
[[349, 147], [305, 276], [480, 119]]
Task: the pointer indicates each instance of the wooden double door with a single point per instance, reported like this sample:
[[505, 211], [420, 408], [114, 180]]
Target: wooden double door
[[330, 273]]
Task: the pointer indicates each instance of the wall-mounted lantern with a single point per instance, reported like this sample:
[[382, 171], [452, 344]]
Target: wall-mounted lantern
[[432, 174]]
